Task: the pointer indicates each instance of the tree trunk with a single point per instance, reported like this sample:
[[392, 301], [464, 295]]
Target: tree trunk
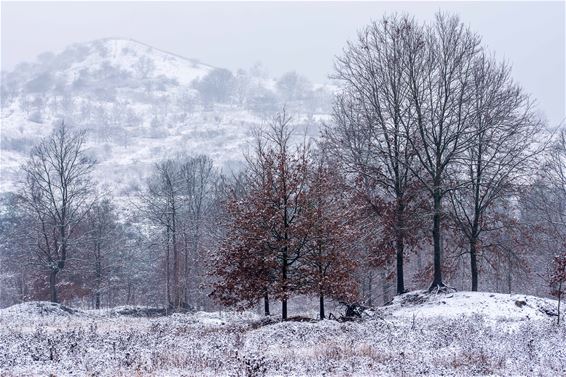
[[321, 307], [400, 246], [186, 271], [176, 295], [197, 276], [53, 285], [285, 248], [474, 263], [400, 279], [266, 304], [284, 283], [284, 309], [436, 237], [385, 285], [284, 300], [509, 272], [559, 299], [129, 296], [167, 272], [370, 288], [98, 277]]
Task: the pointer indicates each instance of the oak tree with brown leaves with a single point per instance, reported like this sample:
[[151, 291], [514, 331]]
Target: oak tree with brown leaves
[[329, 263], [269, 232]]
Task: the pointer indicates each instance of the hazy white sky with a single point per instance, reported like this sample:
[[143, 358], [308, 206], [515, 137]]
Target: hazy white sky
[[297, 36]]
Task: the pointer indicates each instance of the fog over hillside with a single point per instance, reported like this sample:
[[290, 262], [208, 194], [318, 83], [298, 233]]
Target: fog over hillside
[[140, 104]]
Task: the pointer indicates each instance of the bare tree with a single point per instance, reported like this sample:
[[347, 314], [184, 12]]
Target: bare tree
[[439, 64], [371, 115], [57, 193], [178, 199], [102, 240], [160, 204], [198, 179], [544, 210], [503, 130], [554, 174]]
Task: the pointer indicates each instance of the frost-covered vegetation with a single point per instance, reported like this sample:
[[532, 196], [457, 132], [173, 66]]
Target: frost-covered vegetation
[[464, 334], [136, 177]]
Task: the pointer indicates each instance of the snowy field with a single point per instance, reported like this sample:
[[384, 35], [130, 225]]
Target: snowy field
[[418, 334]]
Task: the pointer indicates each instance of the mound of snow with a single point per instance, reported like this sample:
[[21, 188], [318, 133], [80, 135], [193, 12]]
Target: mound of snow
[[40, 308], [221, 318], [490, 306], [135, 311]]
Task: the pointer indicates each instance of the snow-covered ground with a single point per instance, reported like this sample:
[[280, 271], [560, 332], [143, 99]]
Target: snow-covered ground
[[460, 334]]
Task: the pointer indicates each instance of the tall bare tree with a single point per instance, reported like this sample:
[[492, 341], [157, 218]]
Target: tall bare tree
[[371, 114], [57, 193], [179, 200], [503, 130], [198, 180], [160, 204], [544, 208], [439, 63]]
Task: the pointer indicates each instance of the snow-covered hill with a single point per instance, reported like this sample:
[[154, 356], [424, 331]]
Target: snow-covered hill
[[461, 334], [490, 306], [139, 104], [115, 54]]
